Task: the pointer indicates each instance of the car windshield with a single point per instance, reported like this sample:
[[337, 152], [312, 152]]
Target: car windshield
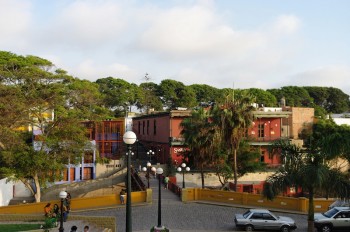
[[330, 213], [246, 214]]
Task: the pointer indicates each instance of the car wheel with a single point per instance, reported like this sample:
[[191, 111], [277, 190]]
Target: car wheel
[[326, 228], [249, 228], [285, 229]]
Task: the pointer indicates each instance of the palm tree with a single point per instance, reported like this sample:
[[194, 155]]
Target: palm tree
[[199, 136], [308, 169], [232, 119]]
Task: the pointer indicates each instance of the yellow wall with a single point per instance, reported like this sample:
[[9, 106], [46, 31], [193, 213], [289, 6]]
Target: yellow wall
[[253, 200], [77, 203]]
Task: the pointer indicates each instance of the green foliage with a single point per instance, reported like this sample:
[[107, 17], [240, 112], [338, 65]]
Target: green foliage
[[205, 93], [200, 137], [232, 118], [308, 168], [176, 94], [118, 94], [263, 97], [52, 104], [294, 95], [18, 227], [148, 97]]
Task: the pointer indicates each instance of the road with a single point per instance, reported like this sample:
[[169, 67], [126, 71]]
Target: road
[[178, 216]]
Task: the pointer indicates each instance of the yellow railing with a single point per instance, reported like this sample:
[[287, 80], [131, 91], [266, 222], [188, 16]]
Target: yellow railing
[[77, 203], [300, 204]]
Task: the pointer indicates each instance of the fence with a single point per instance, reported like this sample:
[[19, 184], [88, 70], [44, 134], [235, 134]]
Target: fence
[[300, 204]]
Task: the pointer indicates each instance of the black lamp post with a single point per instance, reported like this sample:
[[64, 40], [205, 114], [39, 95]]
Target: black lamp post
[[129, 138], [62, 195], [159, 226], [150, 153], [183, 169], [148, 168]]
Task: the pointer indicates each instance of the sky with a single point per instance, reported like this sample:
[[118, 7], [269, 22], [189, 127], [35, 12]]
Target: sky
[[224, 43]]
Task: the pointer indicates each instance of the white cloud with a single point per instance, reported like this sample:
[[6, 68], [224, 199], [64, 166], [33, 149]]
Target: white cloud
[[86, 25], [332, 75], [14, 22], [286, 24], [91, 70], [195, 32]]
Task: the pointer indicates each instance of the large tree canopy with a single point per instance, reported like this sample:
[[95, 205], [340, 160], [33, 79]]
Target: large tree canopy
[[176, 94], [51, 104], [294, 95], [118, 94]]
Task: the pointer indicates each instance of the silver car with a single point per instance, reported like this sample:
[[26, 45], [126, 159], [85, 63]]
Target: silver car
[[263, 219], [335, 218]]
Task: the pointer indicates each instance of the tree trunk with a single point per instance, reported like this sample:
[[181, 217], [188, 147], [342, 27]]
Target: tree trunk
[[311, 211], [202, 176], [235, 169], [37, 194]]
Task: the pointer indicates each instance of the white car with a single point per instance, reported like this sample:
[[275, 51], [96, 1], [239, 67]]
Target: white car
[[335, 218], [263, 219]]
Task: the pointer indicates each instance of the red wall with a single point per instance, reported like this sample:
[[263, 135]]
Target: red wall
[[272, 129]]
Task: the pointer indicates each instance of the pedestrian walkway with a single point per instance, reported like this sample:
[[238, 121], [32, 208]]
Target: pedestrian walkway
[[166, 195]]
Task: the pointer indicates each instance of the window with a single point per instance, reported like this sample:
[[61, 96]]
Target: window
[[143, 127], [147, 127], [154, 127], [261, 130], [257, 216], [268, 216]]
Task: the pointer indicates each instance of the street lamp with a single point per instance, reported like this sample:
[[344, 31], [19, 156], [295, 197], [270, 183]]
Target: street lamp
[[183, 169], [62, 195], [150, 153], [148, 168], [129, 138], [159, 226]]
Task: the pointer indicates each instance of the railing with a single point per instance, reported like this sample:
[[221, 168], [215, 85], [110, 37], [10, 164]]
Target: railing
[[136, 181]]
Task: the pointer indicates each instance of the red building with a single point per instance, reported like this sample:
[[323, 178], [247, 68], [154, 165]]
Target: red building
[[268, 127], [161, 133]]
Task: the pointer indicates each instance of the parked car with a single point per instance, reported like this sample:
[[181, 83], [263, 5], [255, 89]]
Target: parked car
[[263, 219], [337, 218], [340, 203]]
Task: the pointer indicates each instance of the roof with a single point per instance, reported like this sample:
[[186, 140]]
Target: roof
[[259, 210]]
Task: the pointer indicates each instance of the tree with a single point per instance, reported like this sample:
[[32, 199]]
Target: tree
[[337, 102], [263, 97], [148, 97], [51, 104], [309, 169], [200, 137], [333, 100], [294, 95], [205, 94], [118, 94], [232, 119], [176, 94], [246, 162]]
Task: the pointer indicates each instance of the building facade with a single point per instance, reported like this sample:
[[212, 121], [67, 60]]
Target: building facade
[[161, 133]]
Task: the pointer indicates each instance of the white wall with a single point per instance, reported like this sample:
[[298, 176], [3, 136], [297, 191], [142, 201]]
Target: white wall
[[6, 192], [210, 179], [20, 190]]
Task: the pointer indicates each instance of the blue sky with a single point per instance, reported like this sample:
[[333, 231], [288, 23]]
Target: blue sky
[[251, 43]]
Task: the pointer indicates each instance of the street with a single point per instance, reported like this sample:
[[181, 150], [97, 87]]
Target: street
[[179, 216]]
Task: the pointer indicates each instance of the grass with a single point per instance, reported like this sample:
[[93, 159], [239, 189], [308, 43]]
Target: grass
[[18, 227]]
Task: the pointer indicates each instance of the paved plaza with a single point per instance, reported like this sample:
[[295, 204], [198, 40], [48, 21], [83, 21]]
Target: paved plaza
[[178, 216]]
